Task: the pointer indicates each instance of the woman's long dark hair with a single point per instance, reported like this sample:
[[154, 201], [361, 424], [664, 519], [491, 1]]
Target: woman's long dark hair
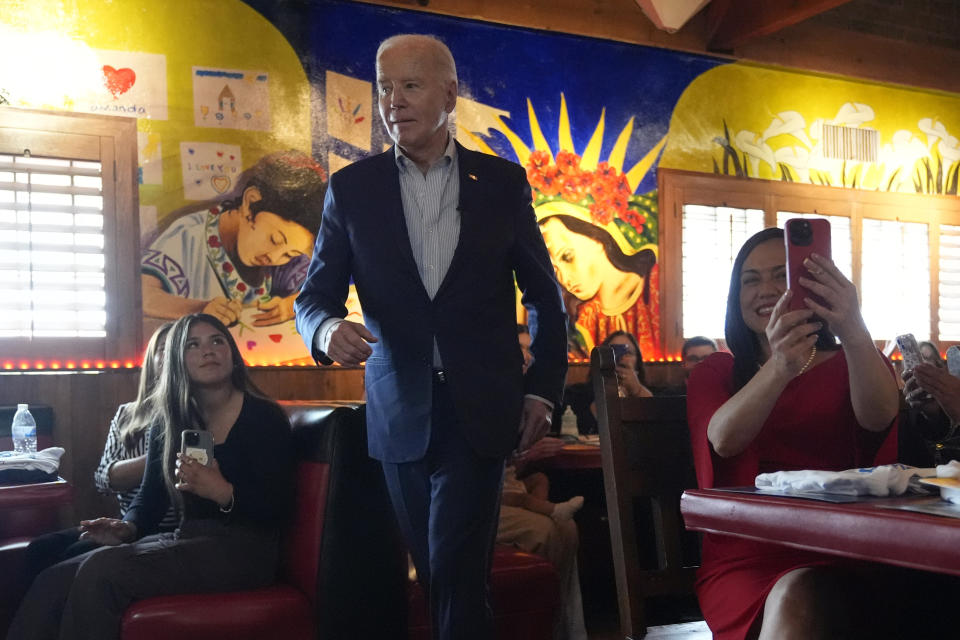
[[175, 402], [741, 340], [641, 372], [640, 263]]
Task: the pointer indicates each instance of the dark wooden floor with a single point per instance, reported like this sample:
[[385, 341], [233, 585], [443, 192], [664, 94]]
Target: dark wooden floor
[[669, 618]]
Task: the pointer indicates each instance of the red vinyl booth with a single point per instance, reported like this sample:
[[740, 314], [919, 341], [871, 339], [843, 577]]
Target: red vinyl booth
[[344, 571], [341, 576], [525, 591]]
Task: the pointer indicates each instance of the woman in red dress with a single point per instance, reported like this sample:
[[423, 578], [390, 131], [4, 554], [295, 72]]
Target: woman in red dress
[[787, 398]]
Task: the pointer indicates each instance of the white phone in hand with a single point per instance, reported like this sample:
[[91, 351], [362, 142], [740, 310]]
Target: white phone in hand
[[910, 350], [198, 445], [953, 361]]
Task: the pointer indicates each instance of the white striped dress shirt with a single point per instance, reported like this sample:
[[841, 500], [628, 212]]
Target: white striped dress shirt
[[433, 224], [430, 210]]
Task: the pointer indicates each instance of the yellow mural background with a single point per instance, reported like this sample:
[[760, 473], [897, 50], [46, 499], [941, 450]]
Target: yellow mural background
[[208, 33], [912, 124]]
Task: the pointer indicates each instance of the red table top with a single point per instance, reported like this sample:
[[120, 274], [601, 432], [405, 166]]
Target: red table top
[[862, 530], [574, 456], [42, 494]]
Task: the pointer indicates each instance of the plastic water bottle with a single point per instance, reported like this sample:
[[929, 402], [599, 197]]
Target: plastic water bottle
[[24, 431], [568, 423]]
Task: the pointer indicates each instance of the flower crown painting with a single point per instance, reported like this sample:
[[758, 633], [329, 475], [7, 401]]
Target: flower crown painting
[[601, 235]]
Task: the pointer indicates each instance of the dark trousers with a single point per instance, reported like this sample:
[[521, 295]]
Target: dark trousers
[[49, 549], [84, 598], [447, 505]]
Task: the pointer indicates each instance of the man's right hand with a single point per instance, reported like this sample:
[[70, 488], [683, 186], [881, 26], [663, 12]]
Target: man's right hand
[[349, 343]]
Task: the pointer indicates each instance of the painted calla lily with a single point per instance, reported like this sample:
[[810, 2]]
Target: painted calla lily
[[797, 158], [853, 114], [949, 149], [790, 123], [934, 129], [756, 149]]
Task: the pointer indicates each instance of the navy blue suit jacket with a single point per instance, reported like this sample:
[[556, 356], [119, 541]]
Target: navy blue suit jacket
[[472, 316]]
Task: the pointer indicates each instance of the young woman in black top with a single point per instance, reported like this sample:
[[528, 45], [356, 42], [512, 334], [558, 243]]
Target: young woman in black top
[[231, 511]]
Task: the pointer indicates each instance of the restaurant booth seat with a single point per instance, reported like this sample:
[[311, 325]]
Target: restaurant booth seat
[[343, 571], [525, 594], [340, 570]]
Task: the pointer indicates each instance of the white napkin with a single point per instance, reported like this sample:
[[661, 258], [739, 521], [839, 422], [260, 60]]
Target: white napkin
[[47, 460], [949, 470], [889, 479]]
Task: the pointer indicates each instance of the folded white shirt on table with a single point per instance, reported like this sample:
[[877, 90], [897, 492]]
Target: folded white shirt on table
[[885, 480], [47, 460]]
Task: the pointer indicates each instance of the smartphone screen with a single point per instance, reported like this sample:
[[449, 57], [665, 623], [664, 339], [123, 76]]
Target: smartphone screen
[[953, 361], [803, 236], [197, 445], [619, 350], [909, 350]]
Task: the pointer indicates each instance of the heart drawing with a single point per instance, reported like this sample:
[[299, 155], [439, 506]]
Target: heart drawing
[[220, 184], [118, 81]]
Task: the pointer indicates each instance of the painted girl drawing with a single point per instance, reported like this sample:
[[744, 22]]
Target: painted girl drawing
[[249, 250]]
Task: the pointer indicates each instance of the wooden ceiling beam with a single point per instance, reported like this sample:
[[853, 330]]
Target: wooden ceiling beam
[[740, 20]]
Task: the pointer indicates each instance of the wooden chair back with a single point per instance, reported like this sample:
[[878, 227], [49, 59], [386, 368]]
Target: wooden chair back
[[647, 464]]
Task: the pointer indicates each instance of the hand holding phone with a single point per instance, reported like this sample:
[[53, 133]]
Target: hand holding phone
[[198, 445], [910, 351], [953, 361], [802, 237], [619, 350]]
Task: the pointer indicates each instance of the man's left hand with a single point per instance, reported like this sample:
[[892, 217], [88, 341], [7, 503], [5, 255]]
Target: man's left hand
[[535, 423]]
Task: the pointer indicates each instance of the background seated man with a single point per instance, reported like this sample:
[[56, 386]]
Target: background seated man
[[694, 351]]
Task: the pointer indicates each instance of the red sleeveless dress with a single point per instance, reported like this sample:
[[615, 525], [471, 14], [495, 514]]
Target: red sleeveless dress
[[812, 426]]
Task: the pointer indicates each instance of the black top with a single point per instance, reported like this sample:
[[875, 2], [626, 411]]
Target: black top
[[257, 458]]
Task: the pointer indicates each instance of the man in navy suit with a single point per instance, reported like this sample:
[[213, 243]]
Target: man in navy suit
[[435, 237]]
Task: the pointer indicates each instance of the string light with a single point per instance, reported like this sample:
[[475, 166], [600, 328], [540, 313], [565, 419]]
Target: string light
[[70, 365]]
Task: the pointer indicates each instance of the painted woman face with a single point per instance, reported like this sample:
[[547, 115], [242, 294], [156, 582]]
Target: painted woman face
[[267, 240], [578, 260], [763, 279]]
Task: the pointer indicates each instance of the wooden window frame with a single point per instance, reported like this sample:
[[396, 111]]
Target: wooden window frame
[[677, 188], [112, 140]]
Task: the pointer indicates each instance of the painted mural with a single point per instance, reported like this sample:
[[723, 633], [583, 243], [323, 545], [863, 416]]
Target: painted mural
[[229, 196], [587, 118], [238, 130], [757, 122]]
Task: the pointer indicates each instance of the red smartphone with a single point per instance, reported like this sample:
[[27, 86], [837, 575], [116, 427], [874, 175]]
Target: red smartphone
[[803, 236]]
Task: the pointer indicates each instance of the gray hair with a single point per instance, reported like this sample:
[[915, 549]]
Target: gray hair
[[440, 53]]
